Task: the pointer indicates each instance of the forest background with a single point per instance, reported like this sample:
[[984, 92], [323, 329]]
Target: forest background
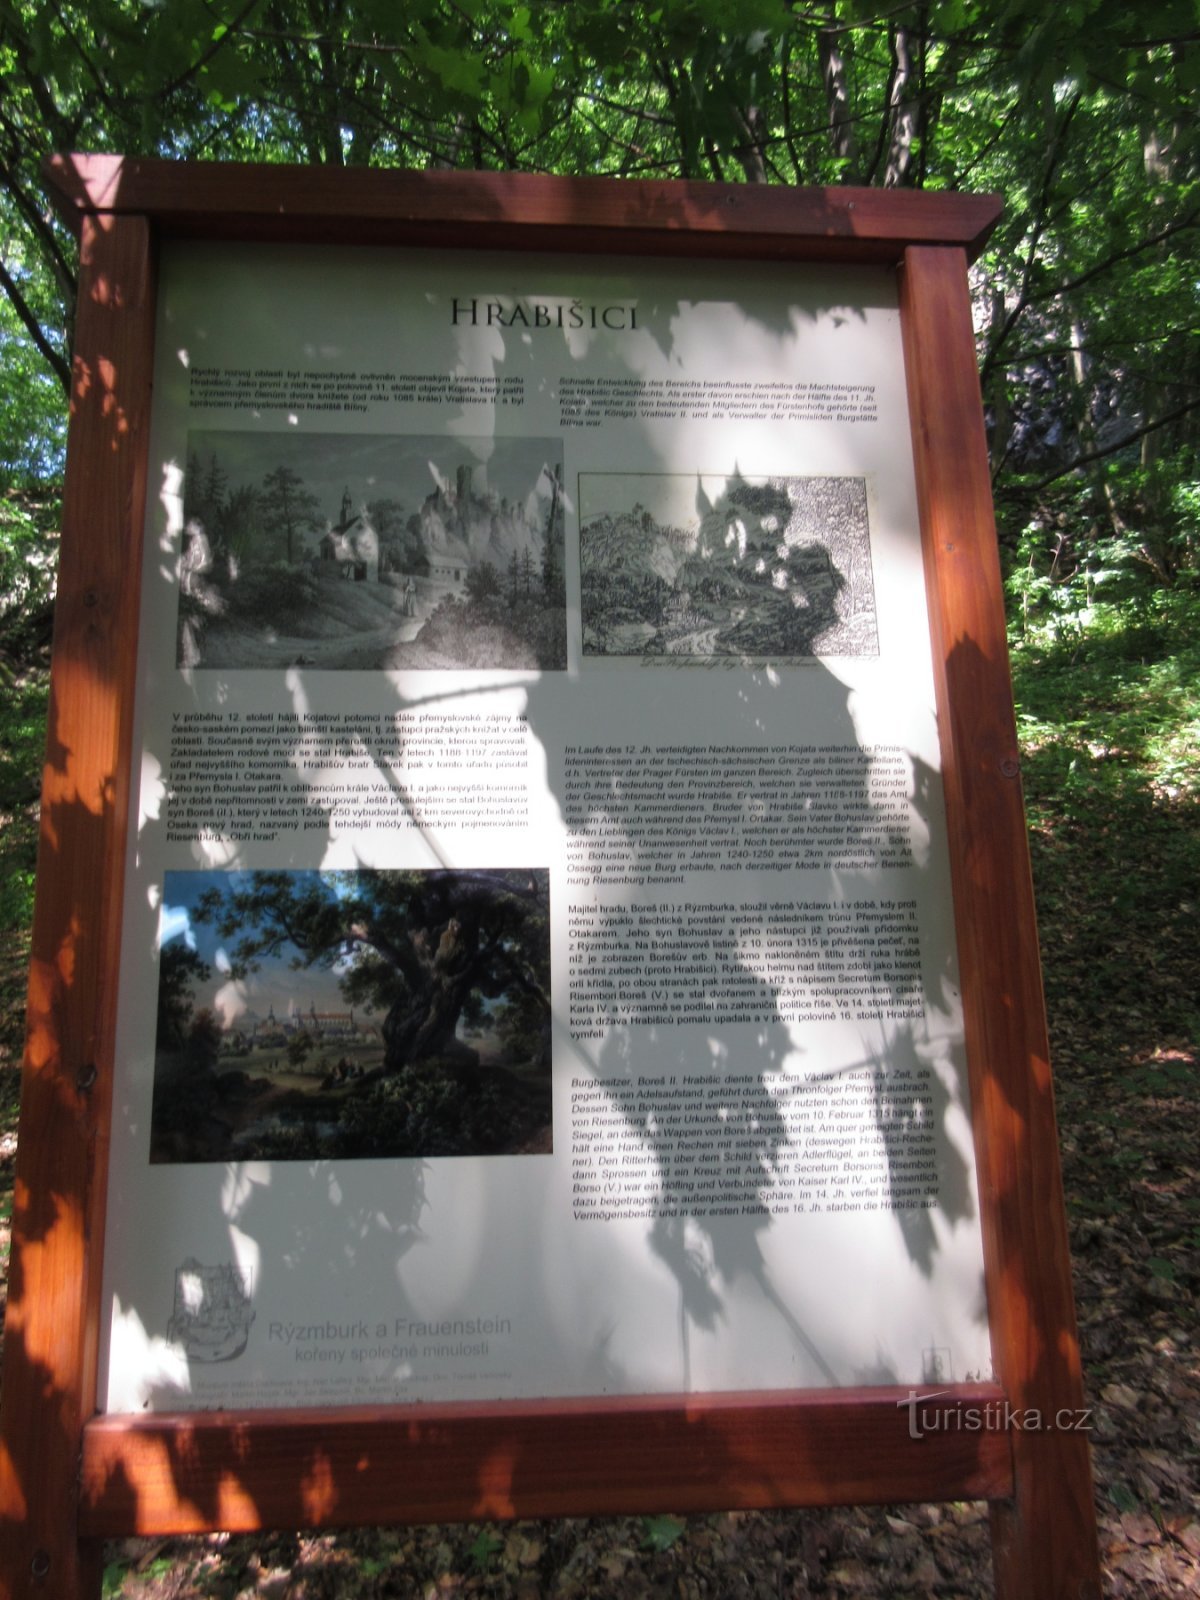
[[1082, 115]]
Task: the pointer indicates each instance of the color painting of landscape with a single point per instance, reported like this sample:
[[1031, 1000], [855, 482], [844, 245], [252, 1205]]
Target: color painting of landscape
[[354, 1014]]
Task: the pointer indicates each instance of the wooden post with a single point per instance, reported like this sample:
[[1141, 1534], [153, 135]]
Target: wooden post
[[50, 1335], [1044, 1539]]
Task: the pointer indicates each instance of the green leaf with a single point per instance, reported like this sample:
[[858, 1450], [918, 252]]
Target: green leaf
[[487, 1544], [660, 1533], [950, 16], [463, 74], [1121, 1496]]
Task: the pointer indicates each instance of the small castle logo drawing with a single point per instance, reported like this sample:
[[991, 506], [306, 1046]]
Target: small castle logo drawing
[[213, 1311]]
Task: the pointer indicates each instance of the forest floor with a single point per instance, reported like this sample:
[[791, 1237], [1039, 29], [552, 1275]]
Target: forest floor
[[1109, 729]]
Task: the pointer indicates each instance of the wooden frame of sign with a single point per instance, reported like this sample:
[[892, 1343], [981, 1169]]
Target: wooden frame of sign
[[69, 1477]]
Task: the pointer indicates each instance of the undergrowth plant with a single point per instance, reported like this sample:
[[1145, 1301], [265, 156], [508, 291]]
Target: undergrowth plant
[[1106, 672]]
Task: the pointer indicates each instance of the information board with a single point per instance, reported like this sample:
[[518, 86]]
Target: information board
[[540, 860], [534, 1005]]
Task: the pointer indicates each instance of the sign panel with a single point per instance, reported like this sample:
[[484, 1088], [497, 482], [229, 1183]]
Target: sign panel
[[539, 974]]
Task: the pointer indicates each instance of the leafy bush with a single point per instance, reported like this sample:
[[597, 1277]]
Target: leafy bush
[[439, 1112], [277, 591]]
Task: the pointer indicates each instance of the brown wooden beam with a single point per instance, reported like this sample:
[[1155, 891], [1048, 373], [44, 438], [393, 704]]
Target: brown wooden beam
[[293, 1469], [50, 1340], [1045, 1539], [516, 210]]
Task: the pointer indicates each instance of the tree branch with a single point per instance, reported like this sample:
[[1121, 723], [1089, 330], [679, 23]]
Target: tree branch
[[1025, 297], [214, 49], [1186, 222], [1110, 449], [56, 360], [36, 219]]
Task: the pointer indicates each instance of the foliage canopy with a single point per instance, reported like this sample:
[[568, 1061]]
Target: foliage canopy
[[1078, 113]]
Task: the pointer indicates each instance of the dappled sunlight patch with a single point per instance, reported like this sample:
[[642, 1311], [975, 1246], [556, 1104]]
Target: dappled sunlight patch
[[159, 1364], [497, 1473], [235, 1504], [51, 1252], [318, 1491]]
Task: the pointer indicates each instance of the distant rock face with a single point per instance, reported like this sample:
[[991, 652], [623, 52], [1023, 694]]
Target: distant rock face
[[728, 537], [633, 543], [468, 523]]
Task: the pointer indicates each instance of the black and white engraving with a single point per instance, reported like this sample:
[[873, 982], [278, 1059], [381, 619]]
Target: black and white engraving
[[705, 566], [339, 552]]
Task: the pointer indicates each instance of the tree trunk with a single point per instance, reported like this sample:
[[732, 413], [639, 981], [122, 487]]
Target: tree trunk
[[420, 1029], [751, 151], [837, 101], [1085, 431], [902, 113], [421, 1026], [997, 391]]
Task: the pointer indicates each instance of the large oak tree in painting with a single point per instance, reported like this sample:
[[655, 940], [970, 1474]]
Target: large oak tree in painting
[[421, 947], [453, 965]]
